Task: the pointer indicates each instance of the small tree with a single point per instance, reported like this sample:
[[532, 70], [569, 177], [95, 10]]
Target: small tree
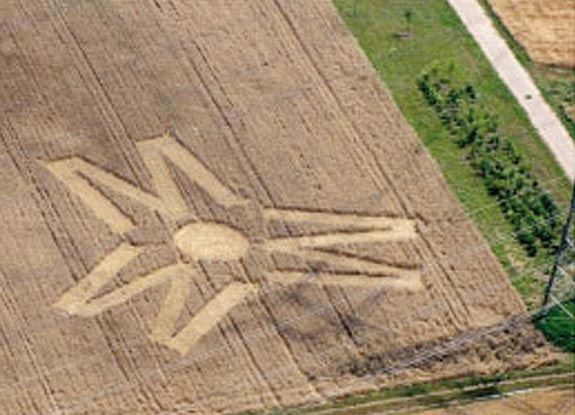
[[408, 18]]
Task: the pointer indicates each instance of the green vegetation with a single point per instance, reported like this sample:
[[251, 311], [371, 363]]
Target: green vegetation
[[558, 326], [558, 87], [526, 286], [484, 174], [439, 38], [433, 394], [530, 209], [556, 84]]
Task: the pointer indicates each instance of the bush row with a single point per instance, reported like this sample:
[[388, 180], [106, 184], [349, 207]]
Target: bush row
[[530, 209]]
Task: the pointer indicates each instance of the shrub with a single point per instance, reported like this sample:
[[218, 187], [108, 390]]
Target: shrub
[[529, 209], [558, 327]]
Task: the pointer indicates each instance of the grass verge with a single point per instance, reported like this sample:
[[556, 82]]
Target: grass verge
[[439, 37], [438, 393]]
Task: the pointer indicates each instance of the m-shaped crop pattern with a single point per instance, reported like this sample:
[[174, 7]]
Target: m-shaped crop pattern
[[198, 241]]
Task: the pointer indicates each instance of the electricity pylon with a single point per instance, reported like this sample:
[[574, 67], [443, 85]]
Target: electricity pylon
[[564, 258]]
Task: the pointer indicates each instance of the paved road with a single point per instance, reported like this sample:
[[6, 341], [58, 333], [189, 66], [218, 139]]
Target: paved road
[[519, 82]]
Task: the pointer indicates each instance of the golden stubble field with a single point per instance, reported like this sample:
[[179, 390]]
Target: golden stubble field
[[545, 28], [213, 206]]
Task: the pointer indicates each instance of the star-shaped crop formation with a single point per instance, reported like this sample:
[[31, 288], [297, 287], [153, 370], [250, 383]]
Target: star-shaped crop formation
[[198, 241]]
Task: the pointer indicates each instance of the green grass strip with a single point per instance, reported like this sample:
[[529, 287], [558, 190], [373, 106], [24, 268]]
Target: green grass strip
[[439, 38]]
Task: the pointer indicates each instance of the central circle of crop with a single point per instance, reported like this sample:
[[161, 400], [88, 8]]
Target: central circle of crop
[[211, 241]]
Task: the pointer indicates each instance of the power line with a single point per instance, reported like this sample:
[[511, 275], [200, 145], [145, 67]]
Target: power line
[[262, 333], [460, 340], [565, 246]]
